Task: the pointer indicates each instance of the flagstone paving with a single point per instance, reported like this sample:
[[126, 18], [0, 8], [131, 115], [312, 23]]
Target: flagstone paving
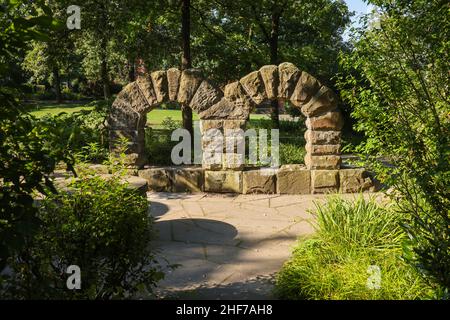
[[227, 246]]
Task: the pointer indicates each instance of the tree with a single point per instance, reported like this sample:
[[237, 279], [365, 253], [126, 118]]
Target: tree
[[108, 36], [307, 33], [26, 157], [186, 62], [396, 80]]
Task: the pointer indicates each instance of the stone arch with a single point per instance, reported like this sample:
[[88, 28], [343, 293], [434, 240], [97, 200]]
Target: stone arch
[[230, 109]]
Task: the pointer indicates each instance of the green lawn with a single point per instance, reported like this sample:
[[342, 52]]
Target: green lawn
[[154, 118], [42, 108]]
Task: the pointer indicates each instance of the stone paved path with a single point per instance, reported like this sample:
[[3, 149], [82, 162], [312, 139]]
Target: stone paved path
[[228, 246]]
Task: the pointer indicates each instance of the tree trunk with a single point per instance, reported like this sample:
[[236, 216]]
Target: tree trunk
[[131, 70], [57, 84], [275, 112], [186, 62], [104, 70]]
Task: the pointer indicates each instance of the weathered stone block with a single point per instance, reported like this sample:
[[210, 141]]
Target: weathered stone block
[[328, 121], [325, 149], [160, 85], [189, 82], [206, 96], [225, 109], [223, 181], [238, 100], [145, 85], [188, 179], [259, 181], [136, 159], [122, 115], [324, 181], [218, 124], [133, 94], [288, 75], [159, 179], [307, 86], [328, 162], [322, 137], [233, 161], [140, 185], [355, 180], [293, 179], [323, 101], [173, 83], [269, 75], [254, 85]]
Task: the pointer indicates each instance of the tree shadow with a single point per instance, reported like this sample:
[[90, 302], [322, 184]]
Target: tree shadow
[[258, 288], [158, 209], [215, 261]]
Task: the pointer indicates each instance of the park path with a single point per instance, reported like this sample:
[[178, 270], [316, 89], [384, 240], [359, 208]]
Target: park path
[[228, 246]]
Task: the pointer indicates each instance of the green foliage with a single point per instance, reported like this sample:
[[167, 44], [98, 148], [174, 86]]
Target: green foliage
[[292, 153], [83, 133], [100, 225], [158, 143], [26, 161], [291, 134], [361, 224], [396, 80], [351, 237]]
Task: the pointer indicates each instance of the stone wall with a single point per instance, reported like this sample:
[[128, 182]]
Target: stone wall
[[230, 109], [288, 179]]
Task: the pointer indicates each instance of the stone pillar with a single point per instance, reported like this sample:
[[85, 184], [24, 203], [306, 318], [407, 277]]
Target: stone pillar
[[214, 136]]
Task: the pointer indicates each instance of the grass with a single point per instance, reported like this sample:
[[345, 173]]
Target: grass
[[154, 117], [42, 108], [351, 238]]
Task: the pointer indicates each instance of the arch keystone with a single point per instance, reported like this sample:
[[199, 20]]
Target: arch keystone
[[269, 75], [189, 82], [289, 75], [159, 80]]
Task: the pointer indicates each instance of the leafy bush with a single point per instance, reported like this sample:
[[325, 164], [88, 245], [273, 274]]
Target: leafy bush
[[158, 143], [396, 80], [83, 133], [335, 264], [292, 142], [292, 153], [100, 225]]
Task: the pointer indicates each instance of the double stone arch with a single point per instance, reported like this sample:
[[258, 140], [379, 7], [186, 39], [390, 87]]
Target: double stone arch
[[230, 108]]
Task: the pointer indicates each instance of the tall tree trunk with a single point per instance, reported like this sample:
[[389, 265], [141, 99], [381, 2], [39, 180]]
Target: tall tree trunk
[[57, 84], [131, 70], [186, 62], [104, 70], [273, 43]]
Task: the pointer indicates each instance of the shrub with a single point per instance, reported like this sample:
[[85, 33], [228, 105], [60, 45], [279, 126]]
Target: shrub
[[292, 153], [335, 264], [396, 80], [158, 143], [101, 226], [83, 133]]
